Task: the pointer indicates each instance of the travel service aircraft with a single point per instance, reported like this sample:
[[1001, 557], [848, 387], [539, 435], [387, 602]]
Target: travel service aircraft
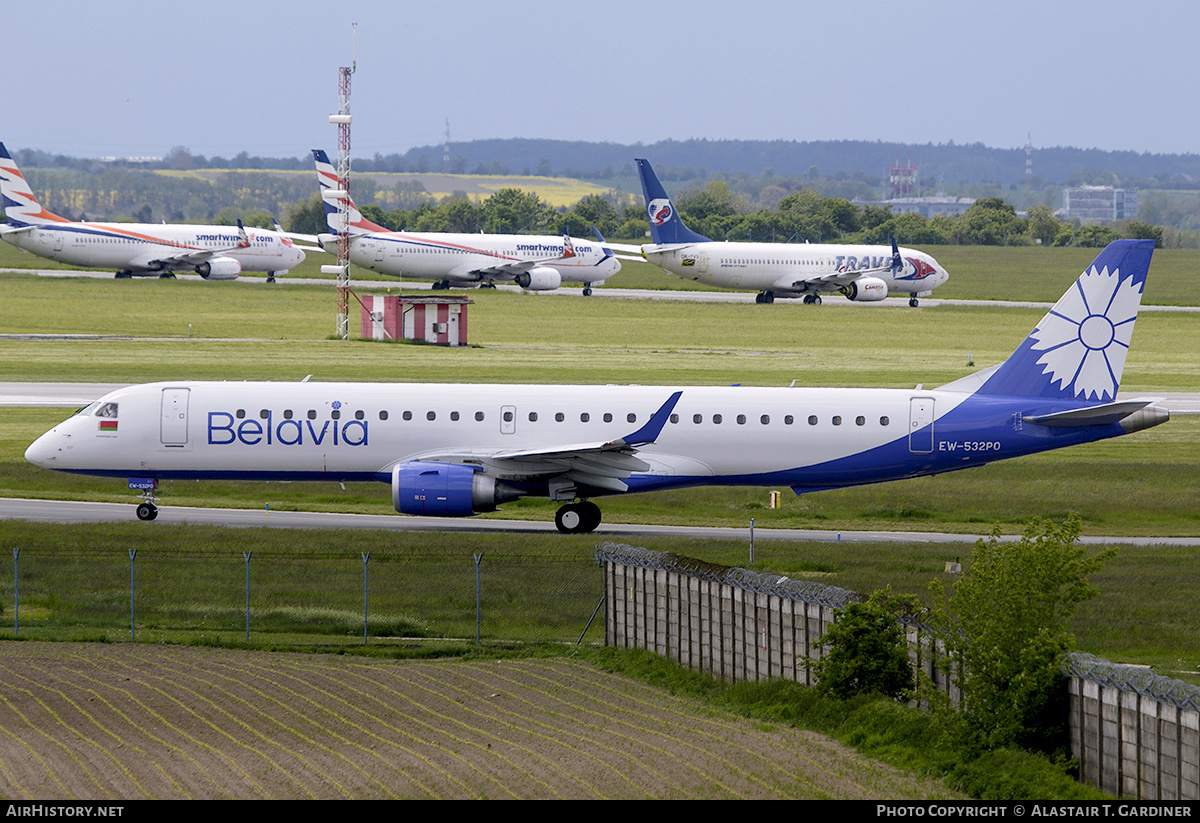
[[213, 252], [455, 450], [534, 263], [860, 273]]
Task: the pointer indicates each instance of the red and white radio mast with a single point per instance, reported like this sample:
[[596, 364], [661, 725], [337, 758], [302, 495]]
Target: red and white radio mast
[[342, 121]]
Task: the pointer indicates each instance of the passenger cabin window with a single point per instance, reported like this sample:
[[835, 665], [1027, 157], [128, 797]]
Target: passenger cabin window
[[407, 415], [479, 416], [431, 415]]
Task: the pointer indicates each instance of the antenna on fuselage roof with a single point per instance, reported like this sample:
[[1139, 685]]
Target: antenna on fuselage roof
[[305, 380]]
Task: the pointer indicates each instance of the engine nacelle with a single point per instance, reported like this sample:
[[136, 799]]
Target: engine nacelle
[[865, 290], [539, 278], [219, 268], [446, 490]]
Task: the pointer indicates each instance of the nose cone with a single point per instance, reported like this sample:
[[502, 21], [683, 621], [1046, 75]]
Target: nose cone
[[44, 451]]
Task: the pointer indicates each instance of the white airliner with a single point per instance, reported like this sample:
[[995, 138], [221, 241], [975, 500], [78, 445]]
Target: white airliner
[[455, 450], [860, 273], [534, 263], [213, 252]]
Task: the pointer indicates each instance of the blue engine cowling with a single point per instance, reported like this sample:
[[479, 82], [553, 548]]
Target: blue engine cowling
[[445, 490]]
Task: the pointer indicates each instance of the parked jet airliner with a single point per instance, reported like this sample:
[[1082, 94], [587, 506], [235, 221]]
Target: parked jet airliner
[[213, 252], [534, 263], [455, 450], [860, 273]]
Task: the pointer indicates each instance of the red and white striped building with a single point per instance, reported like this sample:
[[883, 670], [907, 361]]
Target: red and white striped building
[[440, 320]]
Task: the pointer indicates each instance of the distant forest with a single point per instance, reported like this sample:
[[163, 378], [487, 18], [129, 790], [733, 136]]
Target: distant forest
[[733, 189], [946, 164]]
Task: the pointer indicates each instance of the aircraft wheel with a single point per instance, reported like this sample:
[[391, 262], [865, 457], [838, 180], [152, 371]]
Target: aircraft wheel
[[768, 297], [912, 301], [147, 511], [577, 518], [167, 275], [591, 516], [816, 299], [808, 299], [124, 275], [587, 291]]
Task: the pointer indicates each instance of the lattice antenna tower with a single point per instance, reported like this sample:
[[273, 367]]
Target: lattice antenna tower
[[342, 121], [1029, 158]]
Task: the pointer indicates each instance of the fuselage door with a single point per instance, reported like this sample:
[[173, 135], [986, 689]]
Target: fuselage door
[[508, 419], [174, 417], [920, 425]]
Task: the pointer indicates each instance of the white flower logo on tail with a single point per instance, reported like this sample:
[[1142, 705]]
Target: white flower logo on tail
[[1086, 335]]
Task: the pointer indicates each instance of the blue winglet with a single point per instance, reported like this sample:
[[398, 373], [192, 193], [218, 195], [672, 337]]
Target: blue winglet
[[649, 433]]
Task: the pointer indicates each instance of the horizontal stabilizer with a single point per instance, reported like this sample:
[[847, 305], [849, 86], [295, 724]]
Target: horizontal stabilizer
[[1102, 415]]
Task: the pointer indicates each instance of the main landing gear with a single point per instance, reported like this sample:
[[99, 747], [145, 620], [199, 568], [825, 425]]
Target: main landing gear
[[577, 518], [146, 510], [765, 297], [812, 299]]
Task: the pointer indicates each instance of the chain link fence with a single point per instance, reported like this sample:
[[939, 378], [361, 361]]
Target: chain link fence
[[301, 597]]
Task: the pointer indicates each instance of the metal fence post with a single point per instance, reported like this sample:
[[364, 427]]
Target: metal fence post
[[246, 557], [478, 561], [365, 557], [16, 591], [132, 629]]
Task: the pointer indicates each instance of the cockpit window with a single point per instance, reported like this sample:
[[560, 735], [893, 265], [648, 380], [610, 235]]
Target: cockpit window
[[88, 409], [107, 410]]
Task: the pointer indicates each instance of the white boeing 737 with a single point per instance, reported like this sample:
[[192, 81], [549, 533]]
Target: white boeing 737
[[213, 252], [860, 273], [534, 263], [455, 450]]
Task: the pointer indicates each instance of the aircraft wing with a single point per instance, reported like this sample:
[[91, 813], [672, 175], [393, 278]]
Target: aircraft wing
[[600, 464], [154, 259], [511, 268]]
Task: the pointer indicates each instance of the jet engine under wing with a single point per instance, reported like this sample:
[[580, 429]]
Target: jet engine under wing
[[599, 465], [833, 280]]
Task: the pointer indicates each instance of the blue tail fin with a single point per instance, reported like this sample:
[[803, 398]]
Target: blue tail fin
[[665, 225], [1077, 351]]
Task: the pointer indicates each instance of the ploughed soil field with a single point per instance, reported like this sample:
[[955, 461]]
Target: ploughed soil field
[[126, 721]]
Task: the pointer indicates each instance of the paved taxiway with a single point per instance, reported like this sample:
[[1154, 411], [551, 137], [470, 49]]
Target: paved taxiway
[[610, 292], [62, 511]]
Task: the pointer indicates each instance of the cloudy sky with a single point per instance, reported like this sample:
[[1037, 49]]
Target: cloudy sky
[[135, 78]]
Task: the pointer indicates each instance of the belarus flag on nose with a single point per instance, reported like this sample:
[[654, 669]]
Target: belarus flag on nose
[[108, 425]]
